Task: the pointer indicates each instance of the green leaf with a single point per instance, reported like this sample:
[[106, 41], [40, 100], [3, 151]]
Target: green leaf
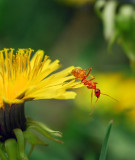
[[11, 149], [32, 138], [20, 142], [44, 127], [104, 146], [44, 133]]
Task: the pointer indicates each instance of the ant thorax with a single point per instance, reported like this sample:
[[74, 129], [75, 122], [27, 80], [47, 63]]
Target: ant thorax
[[90, 85]]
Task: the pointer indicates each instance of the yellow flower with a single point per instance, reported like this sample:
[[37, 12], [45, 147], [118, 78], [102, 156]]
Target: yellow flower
[[24, 78]]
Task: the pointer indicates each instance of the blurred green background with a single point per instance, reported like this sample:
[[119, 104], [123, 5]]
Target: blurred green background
[[73, 32]]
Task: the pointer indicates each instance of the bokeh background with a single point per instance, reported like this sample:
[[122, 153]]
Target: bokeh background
[[80, 33]]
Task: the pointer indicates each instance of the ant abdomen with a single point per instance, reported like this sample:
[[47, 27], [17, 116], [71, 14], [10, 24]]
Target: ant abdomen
[[78, 73]]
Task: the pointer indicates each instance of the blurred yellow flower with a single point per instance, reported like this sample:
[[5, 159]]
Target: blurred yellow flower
[[24, 78], [117, 86], [76, 2]]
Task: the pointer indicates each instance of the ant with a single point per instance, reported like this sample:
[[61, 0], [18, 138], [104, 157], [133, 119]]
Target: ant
[[81, 74]]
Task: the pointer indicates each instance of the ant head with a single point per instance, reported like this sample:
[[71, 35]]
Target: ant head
[[97, 92]]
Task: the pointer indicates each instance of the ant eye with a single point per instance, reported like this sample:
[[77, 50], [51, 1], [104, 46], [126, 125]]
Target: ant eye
[[97, 90]]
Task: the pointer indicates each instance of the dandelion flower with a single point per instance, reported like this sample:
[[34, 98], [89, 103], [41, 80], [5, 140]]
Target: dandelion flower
[[24, 77]]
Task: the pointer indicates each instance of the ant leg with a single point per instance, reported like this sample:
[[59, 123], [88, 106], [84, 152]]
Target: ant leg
[[89, 70], [77, 84], [92, 78], [89, 73], [68, 82], [91, 96], [93, 108]]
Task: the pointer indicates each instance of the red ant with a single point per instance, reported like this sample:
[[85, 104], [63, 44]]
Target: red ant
[[81, 74]]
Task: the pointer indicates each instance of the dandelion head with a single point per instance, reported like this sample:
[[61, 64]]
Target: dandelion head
[[26, 76]]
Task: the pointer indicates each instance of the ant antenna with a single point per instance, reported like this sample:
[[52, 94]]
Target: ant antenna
[[91, 112], [110, 97]]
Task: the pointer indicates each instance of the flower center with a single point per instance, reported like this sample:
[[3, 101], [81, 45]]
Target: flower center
[[11, 117]]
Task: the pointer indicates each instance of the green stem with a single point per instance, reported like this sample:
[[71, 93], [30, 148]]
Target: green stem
[[2, 155]]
